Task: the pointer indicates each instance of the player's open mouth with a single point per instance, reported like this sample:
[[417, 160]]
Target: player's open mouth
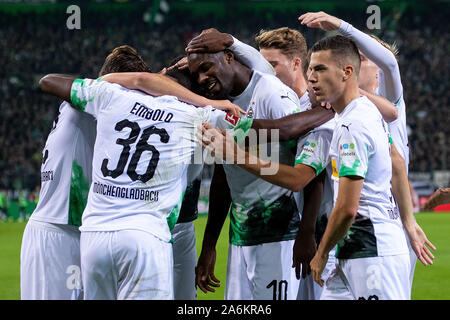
[[316, 90], [211, 85]]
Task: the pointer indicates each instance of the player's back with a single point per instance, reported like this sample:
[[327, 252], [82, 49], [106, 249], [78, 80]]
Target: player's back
[[143, 147], [66, 168]]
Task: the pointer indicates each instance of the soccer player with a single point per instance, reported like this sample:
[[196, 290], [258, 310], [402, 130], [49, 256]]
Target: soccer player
[[389, 81], [264, 219], [50, 252]]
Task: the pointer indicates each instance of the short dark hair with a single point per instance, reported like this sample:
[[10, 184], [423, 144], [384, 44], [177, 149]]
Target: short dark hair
[[183, 77], [124, 59], [343, 49]]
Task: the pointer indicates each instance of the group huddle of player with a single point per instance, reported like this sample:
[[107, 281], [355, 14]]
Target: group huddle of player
[[321, 209]]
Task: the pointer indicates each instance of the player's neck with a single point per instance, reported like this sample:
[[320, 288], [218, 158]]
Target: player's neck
[[300, 86], [350, 93], [242, 78]]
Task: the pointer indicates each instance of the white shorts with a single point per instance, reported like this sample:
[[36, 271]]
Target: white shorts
[[377, 278], [184, 261], [261, 272], [126, 264], [50, 262], [309, 289]]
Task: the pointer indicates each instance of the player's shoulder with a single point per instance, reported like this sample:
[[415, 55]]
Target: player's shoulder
[[361, 112], [270, 87]]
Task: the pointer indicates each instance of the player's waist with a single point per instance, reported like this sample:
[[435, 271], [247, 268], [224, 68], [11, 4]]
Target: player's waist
[[155, 224]]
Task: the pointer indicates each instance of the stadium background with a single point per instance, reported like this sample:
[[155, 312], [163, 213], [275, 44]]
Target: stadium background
[[35, 40]]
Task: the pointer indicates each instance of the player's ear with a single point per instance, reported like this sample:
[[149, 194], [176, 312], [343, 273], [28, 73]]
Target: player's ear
[[229, 55], [348, 72], [297, 63]]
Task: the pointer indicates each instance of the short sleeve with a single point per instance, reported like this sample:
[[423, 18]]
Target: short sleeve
[[90, 96], [281, 104], [354, 149], [314, 152]]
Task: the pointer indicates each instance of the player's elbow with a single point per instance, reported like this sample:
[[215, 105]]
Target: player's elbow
[[348, 211], [45, 82], [392, 115], [140, 79]]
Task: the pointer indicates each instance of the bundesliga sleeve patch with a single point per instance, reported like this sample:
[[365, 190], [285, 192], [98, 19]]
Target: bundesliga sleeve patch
[[231, 119], [353, 160]]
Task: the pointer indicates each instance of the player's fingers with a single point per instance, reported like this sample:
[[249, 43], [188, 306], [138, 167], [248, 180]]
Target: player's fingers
[[428, 252], [213, 277], [428, 243], [305, 269], [309, 17], [426, 260], [305, 17], [296, 265]]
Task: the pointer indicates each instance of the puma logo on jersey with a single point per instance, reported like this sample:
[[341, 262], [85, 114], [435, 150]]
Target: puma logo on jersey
[[286, 97], [346, 127], [45, 157]]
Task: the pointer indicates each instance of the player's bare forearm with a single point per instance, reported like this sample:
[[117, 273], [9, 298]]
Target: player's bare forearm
[[342, 215], [386, 108], [58, 85], [292, 178], [219, 205], [400, 188], [156, 85], [295, 125], [313, 193]]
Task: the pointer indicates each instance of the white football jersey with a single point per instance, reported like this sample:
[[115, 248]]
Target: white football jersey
[[360, 147], [314, 151], [143, 148], [262, 212], [66, 170]]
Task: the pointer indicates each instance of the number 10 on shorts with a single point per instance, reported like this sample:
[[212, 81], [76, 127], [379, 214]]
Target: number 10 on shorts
[[279, 289]]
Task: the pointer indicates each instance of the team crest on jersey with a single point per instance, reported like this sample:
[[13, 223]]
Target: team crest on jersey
[[232, 119]]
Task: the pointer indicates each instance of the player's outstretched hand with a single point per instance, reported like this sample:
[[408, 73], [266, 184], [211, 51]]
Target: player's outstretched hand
[[420, 243], [204, 271], [303, 252], [440, 196], [317, 265], [320, 20], [228, 106], [210, 41]]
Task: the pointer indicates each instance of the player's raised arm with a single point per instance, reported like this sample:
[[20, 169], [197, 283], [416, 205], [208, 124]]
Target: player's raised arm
[[58, 85], [158, 85], [370, 47], [212, 40]]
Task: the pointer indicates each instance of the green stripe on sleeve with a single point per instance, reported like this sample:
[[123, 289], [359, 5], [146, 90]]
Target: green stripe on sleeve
[[77, 101]]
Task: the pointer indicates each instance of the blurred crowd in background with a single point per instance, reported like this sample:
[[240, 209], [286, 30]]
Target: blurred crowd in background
[[34, 44]]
